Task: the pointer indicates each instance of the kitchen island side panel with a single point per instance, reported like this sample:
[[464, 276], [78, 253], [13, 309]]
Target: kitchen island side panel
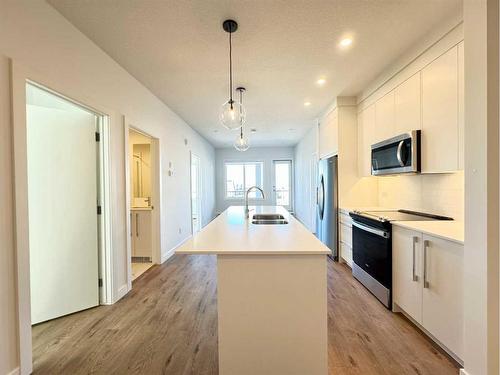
[[272, 314]]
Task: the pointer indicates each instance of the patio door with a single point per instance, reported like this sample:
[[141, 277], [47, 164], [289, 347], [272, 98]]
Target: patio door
[[282, 186]]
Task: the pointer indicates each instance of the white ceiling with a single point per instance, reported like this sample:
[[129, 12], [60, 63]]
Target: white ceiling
[[177, 49]]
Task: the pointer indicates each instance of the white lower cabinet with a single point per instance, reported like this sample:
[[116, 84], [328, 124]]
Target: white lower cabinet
[[141, 233], [345, 238], [428, 285], [443, 295], [406, 271]]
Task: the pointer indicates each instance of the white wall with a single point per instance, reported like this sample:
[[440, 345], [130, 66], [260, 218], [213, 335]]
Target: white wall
[[481, 262], [305, 152], [37, 37], [441, 194], [264, 154]]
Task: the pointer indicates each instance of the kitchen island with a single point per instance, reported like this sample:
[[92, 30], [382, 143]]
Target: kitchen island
[[271, 293]]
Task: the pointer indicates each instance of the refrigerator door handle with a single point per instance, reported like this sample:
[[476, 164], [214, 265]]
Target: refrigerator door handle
[[321, 198]]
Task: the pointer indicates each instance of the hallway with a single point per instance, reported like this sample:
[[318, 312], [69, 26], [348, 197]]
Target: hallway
[[168, 325]]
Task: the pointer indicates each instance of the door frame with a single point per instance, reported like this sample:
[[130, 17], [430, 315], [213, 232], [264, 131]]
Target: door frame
[[200, 190], [291, 205], [156, 198], [20, 77]]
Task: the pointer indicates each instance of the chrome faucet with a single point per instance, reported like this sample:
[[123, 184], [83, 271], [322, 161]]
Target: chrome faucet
[[247, 211]]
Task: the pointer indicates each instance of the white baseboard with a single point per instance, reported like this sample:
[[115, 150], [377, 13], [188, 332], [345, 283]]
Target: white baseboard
[[16, 371], [122, 291], [463, 372], [168, 254]]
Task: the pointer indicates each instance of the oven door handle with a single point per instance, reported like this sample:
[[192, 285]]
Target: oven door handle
[[378, 232]]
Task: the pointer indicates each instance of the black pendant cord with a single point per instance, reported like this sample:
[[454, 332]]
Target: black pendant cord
[[241, 104], [230, 71]]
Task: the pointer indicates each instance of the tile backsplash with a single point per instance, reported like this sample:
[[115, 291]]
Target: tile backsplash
[[441, 194]]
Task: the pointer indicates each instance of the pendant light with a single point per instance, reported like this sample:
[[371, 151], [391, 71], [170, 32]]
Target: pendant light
[[241, 143], [232, 114]]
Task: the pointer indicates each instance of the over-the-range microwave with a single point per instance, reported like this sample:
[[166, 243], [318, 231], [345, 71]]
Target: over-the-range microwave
[[400, 154]]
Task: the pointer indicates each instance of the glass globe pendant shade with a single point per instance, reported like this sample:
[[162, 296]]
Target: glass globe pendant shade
[[241, 144], [232, 115]]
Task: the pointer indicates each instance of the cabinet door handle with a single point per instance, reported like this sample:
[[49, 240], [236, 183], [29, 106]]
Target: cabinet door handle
[[426, 282], [137, 225], [414, 274]]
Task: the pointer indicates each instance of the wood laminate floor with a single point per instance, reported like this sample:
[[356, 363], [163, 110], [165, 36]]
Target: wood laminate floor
[[168, 325]]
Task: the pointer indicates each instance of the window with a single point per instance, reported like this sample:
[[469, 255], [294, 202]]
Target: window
[[242, 175]]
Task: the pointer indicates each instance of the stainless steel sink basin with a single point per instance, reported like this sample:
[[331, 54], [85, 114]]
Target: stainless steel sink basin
[[268, 217], [269, 222]]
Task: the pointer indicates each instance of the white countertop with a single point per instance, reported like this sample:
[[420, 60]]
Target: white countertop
[[232, 233], [448, 230]]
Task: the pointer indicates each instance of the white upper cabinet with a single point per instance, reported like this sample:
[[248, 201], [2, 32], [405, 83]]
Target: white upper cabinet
[[461, 103], [384, 117], [366, 128], [440, 114], [328, 134], [407, 105], [431, 100]]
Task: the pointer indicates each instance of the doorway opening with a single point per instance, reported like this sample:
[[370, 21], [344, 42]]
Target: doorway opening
[[65, 191], [143, 161], [196, 194], [282, 186]]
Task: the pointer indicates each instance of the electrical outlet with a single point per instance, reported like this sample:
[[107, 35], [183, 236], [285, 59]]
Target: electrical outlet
[[180, 230]]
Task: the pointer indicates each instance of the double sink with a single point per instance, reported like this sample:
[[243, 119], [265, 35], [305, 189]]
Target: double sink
[[269, 219]]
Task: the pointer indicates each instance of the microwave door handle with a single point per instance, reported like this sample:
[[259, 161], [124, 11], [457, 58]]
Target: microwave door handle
[[398, 154]]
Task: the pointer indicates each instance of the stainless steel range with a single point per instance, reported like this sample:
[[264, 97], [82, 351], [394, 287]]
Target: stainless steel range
[[372, 248]]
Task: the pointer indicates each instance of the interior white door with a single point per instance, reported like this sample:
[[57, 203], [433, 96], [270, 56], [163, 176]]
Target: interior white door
[[62, 192]]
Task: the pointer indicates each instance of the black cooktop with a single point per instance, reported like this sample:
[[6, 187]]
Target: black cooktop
[[399, 215]]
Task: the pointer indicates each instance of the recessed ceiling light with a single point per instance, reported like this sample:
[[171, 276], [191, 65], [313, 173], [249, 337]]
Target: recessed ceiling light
[[321, 81], [346, 42], [307, 104]]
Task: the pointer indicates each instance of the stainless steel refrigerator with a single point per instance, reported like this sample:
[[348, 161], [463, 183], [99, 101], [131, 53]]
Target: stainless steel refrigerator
[[327, 205]]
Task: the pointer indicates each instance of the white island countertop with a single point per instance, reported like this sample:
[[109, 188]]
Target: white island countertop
[[232, 233]]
